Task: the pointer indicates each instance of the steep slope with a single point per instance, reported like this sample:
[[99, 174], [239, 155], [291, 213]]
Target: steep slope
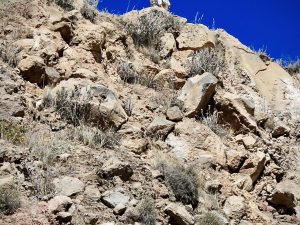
[[141, 118]]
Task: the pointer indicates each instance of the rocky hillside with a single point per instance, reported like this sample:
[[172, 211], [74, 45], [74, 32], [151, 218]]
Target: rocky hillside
[[141, 119]]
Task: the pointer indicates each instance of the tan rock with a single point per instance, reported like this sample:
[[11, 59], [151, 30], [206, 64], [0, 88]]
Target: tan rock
[[32, 69], [196, 93], [195, 37], [84, 73], [235, 207], [167, 44], [179, 214], [160, 127], [234, 112], [68, 186], [196, 142], [59, 204], [178, 63], [174, 114], [254, 165]]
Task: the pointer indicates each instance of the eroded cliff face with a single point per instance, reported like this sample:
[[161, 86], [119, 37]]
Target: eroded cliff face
[[141, 118]]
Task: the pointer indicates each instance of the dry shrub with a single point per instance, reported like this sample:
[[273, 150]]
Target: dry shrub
[[209, 218], [46, 146], [9, 199], [293, 67], [8, 53], [128, 74], [94, 137], [89, 10], [206, 60], [12, 132], [182, 180], [65, 4], [211, 120], [167, 98], [146, 209], [151, 26]]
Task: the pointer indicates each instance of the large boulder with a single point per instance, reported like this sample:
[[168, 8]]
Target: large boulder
[[195, 37], [196, 142], [236, 111], [115, 167], [32, 69], [197, 92], [101, 104], [68, 186], [286, 194]]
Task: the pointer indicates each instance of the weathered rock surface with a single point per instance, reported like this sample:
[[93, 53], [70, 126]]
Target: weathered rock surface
[[195, 37], [102, 103], [115, 167], [160, 127], [179, 214], [235, 207], [197, 92], [114, 198], [174, 114], [68, 186]]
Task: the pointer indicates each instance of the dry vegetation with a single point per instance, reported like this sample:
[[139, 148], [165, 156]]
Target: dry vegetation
[[9, 199], [12, 132], [147, 214], [181, 180], [206, 60]]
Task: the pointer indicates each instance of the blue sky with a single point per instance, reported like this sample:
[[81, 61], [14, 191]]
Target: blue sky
[[273, 25]]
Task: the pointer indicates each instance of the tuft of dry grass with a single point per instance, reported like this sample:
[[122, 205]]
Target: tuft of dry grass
[[64, 4], [209, 218], [146, 209], [9, 199], [94, 137]]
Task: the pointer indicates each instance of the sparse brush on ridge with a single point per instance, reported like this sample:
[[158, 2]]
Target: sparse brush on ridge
[[9, 199], [206, 60], [64, 4], [293, 67], [150, 27], [89, 10], [146, 209], [183, 181]]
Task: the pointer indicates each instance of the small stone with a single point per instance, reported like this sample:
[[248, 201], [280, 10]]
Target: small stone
[[120, 209], [160, 127], [59, 204], [115, 167], [92, 192], [68, 186], [114, 198], [174, 114], [179, 214], [249, 141], [213, 186]]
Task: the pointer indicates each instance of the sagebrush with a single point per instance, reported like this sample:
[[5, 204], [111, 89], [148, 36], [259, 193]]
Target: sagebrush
[[206, 60], [146, 209], [209, 218], [9, 199], [151, 26], [183, 181]]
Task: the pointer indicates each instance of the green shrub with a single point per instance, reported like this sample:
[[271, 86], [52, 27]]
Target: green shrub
[[12, 132], [9, 199], [146, 209], [183, 181]]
